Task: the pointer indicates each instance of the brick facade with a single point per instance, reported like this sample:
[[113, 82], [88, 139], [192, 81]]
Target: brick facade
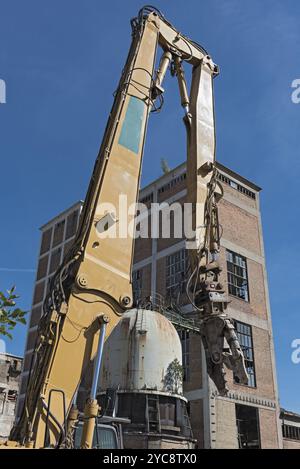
[[213, 417]]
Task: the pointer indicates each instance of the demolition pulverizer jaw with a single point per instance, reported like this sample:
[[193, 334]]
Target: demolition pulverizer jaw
[[213, 303], [216, 326]]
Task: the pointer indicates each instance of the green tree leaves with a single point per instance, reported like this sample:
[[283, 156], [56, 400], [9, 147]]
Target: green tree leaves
[[174, 376], [10, 315]]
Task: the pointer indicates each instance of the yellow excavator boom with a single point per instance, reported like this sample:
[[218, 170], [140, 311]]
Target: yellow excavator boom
[[93, 287]]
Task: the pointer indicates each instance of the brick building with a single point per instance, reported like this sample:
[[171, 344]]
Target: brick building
[[249, 415], [10, 374]]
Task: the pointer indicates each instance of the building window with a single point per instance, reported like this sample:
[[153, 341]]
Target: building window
[[172, 183], [72, 221], [46, 241], [244, 335], [55, 260], [147, 198], [236, 186], [290, 432], [31, 340], [237, 275], [42, 268], [247, 421], [35, 317], [137, 283], [49, 284], [58, 233], [12, 395], [175, 273], [185, 345], [39, 292]]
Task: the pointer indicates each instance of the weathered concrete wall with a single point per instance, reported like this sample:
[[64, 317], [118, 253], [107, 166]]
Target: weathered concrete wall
[[10, 372]]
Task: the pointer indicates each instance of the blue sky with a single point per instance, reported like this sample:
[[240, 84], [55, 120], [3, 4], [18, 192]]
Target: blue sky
[[61, 62]]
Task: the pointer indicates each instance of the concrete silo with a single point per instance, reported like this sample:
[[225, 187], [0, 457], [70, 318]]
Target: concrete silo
[[142, 370]]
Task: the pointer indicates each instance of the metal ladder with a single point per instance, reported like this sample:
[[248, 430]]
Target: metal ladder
[[187, 423], [152, 413]]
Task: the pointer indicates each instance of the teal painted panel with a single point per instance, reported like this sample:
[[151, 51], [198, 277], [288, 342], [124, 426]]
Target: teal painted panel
[[132, 126]]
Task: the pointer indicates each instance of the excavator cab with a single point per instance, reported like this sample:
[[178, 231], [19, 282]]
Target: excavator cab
[[105, 437], [107, 433]]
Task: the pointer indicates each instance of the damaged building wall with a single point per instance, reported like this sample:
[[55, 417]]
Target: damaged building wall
[[10, 373]]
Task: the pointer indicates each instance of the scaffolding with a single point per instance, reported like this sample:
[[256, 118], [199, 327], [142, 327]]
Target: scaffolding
[[173, 312]]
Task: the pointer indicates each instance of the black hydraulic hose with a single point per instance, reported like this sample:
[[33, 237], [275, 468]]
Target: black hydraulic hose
[[62, 431]]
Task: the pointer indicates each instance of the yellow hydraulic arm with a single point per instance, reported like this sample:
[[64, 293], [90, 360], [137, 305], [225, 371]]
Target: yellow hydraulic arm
[[93, 285]]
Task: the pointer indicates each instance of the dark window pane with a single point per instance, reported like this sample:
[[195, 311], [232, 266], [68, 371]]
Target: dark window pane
[[185, 344], [58, 233], [72, 224], [46, 241], [244, 335], [42, 268], [176, 265], [247, 420], [39, 292], [291, 432], [55, 260], [137, 284], [237, 275]]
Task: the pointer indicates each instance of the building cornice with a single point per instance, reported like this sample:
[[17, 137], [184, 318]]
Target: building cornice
[[181, 168]]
